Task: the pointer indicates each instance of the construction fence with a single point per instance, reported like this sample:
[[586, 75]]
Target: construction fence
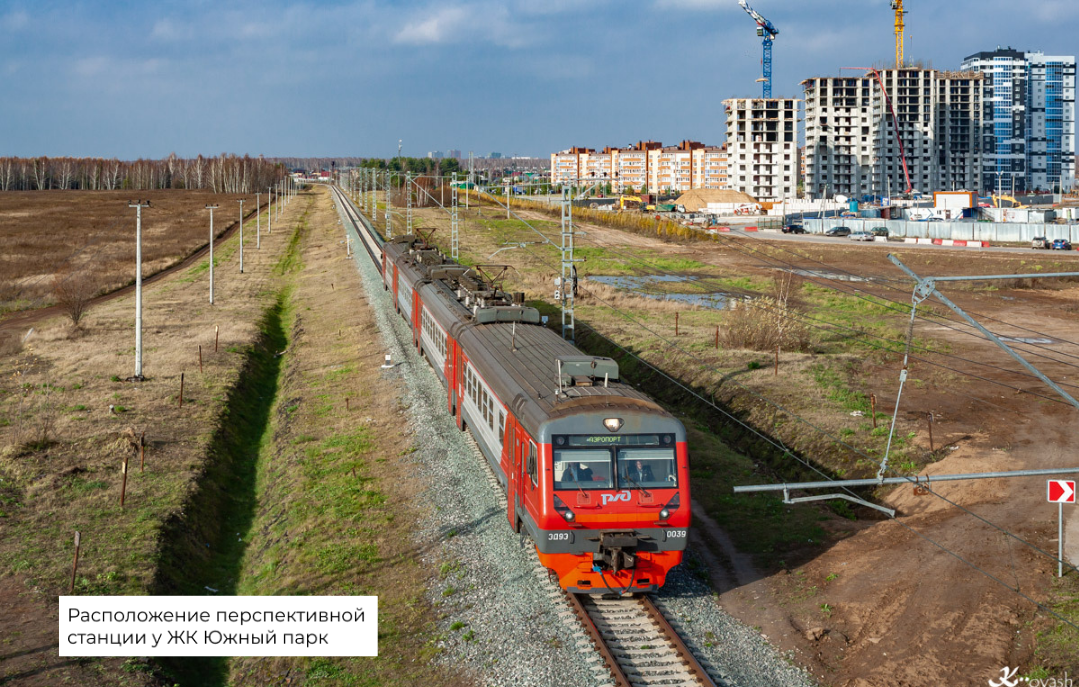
[[993, 232]]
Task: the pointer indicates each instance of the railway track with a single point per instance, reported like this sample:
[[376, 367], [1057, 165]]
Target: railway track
[[638, 644], [369, 237], [635, 640]]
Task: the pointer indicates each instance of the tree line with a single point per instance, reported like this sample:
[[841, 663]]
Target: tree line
[[221, 174]]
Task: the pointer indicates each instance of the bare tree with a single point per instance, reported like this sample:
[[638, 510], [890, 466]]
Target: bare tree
[[73, 290]]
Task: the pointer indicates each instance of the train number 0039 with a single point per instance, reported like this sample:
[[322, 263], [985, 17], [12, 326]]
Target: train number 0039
[[676, 534]]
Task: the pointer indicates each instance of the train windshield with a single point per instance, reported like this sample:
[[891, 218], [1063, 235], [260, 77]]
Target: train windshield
[[582, 469], [641, 468]]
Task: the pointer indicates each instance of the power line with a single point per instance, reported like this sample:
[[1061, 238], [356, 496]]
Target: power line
[[786, 451]]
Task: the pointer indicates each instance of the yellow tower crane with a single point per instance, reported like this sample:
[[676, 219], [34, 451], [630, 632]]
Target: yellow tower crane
[[897, 5]]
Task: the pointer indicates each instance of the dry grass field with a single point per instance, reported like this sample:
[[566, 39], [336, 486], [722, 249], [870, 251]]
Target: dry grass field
[[264, 446], [68, 420], [89, 237]]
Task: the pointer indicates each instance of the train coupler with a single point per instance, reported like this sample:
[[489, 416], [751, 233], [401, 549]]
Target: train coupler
[[616, 551]]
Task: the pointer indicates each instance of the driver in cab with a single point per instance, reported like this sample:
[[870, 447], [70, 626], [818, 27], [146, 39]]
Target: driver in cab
[[577, 472], [640, 473]]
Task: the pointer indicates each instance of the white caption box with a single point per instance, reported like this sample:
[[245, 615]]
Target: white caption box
[[219, 626]]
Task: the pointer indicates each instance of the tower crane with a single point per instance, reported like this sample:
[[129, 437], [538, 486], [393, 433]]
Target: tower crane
[[768, 32], [897, 5]]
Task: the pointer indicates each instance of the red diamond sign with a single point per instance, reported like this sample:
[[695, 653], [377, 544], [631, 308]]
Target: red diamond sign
[[1061, 491]]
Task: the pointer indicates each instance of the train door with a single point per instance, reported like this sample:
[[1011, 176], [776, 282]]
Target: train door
[[451, 373], [396, 282], [513, 484], [516, 478]]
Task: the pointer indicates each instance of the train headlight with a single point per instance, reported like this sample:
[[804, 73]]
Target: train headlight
[[613, 424], [664, 514], [569, 516]]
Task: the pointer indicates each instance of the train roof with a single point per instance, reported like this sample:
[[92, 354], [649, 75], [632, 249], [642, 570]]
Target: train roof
[[526, 375], [539, 375]]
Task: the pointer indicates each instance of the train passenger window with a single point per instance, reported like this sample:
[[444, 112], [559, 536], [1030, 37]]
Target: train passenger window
[[501, 427], [582, 469], [532, 467], [646, 467]]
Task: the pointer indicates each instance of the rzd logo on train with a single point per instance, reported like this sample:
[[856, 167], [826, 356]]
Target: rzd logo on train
[[620, 496]]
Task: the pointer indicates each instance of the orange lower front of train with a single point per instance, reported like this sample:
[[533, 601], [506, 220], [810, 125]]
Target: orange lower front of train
[[580, 574]]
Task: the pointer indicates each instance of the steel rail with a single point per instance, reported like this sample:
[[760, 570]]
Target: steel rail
[[622, 669], [679, 646], [620, 677], [365, 233]]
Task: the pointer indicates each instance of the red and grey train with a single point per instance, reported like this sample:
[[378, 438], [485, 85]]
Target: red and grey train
[[594, 470]]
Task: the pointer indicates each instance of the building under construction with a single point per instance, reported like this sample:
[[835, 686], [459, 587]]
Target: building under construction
[[893, 130], [762, 146]]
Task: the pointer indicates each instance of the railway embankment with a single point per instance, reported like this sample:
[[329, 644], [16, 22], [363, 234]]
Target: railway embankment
[[319, 498]]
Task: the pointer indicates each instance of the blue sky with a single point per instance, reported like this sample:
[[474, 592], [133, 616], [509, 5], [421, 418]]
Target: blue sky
[[143, 79]]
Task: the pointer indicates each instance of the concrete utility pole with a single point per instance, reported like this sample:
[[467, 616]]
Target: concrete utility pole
[[258, 222], [408, 200], [211, 208], [269, 209], [454, 227], [469, 185], [241, 202], [138, 205], [389, 226]]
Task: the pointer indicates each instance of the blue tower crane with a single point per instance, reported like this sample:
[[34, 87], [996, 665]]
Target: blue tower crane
[[768, 32]]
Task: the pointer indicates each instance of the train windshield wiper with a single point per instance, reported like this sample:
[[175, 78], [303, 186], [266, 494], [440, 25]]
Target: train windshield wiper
[[639, 485]]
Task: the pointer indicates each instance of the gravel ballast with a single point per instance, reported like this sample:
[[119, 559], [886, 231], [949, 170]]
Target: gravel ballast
[[500, 617]]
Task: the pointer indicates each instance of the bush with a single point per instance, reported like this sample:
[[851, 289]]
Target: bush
[[73, 291], [762, 324]]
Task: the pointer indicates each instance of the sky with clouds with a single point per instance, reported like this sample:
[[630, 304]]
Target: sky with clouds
[[119, 78]]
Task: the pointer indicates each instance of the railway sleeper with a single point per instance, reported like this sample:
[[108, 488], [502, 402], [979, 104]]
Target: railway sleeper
[[646, 681]]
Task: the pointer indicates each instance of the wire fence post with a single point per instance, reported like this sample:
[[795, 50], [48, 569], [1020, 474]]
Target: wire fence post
[[873, 408], [929, 419], [75, 565], [123, 484]]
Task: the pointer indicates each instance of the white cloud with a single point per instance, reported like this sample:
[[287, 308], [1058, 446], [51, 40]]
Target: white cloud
[[171, 30], [116, 70], [14, 21], [695, 5], [438, 27], [483, 22]]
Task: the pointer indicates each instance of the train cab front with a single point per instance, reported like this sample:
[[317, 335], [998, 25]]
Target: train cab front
[[618, 513]]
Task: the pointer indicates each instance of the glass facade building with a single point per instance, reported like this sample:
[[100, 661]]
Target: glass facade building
[[1030, 102]]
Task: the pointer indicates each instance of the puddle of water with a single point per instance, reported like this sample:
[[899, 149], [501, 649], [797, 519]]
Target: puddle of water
[[834, 276], [639, 285], [1026, 341]]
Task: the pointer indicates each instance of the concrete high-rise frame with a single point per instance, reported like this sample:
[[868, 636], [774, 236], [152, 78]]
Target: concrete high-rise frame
[[851, 146]]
